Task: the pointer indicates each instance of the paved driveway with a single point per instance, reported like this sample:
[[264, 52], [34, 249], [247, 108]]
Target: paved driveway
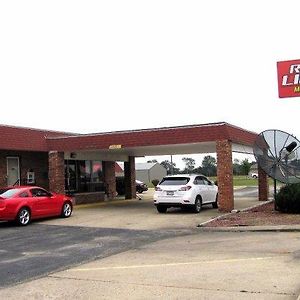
[[142, 215], [93, 232]]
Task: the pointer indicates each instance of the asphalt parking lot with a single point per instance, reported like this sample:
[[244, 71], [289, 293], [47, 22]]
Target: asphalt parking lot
[[93, 231], [130, 249], [39, 249]]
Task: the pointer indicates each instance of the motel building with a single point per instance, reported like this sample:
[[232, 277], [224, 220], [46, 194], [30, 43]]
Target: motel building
[[84, 164]]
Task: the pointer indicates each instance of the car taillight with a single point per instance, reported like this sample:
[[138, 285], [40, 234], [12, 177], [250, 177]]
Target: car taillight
[[158, 189], [185, 188]]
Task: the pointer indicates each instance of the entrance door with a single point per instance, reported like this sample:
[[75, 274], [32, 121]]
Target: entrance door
[[70, 176], [13, 171]]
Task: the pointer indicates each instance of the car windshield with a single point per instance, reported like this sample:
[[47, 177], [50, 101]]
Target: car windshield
[[174, 181], [10, 193]]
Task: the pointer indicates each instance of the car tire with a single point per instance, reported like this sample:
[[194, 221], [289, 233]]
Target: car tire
[[23, 216], [139, 190], [215, 204], [198, 205], [161, 209], [66, 210]]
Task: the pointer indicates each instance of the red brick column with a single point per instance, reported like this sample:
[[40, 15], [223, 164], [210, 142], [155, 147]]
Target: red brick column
[[109, 178], [56, 172], [263, 185], [225, 175], [3, 169], [129, 173]]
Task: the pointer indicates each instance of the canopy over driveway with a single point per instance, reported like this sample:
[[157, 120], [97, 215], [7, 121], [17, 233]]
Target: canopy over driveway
[[221, 138]]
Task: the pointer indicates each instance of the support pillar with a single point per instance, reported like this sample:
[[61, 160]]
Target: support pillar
[[110, 178], [225, 175], [129, 173], [263, 185], [56, 172]]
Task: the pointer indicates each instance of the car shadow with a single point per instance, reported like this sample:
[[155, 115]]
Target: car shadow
[[5, 224], [183, 211], [10, 224]]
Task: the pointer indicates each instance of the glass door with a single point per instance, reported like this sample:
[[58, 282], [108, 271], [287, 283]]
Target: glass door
[[70, 176]]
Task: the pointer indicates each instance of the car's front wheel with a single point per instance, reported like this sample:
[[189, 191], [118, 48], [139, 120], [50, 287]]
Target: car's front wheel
[[161, 209], [23, 217], [66, 210], [198, 205]]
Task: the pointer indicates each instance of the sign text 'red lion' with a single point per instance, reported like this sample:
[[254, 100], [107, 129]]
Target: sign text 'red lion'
[[288, 73]]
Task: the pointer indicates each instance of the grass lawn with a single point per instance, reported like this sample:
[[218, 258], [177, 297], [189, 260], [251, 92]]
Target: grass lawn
[[243, 180], [240, 180]]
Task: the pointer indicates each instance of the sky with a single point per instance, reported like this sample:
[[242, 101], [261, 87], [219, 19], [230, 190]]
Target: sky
[[97, 66]]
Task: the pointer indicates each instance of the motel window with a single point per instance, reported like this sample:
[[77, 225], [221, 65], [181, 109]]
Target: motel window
[[83, 176]]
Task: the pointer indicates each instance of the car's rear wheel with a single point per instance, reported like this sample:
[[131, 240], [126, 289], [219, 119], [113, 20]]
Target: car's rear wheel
[[23, 217], [198, 205], [161, 209], [215, 204], [66, 210]]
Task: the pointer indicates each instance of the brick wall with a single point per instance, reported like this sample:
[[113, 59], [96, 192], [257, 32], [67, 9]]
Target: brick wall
[[263, 185], [225, 175], [56, 172], [35, 161], [153, 137], [129, 173], [109, 178]]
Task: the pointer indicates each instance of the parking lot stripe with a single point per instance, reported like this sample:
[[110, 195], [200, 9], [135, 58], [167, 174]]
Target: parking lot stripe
[[173, 264]]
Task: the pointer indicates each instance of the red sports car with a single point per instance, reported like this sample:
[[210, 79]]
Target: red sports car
[[25, 203]]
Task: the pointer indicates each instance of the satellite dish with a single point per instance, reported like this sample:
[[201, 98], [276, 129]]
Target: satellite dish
[[278, 154]]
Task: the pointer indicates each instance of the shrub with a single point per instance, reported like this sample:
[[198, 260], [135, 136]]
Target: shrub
[[155, 182], [288, 199]]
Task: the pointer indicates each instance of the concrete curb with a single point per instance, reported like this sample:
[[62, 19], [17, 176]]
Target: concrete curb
[[276, 228], [283, 228], [228, 214]]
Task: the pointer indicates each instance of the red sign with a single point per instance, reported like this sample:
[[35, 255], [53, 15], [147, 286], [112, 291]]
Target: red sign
[[288, 73]]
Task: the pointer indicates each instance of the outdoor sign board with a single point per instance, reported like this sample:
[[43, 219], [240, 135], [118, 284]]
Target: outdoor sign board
[[288, 73]]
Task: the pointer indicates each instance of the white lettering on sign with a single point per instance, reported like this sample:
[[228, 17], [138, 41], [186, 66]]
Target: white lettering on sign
[[294, 69], [288, 80]]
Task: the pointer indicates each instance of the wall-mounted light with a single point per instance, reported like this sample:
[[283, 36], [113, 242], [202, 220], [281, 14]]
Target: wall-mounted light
[[73, 155]]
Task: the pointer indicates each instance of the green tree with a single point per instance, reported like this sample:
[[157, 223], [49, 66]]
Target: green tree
[[189, 164], [209, 165], [170, 167], [152, 161], [245, 167]]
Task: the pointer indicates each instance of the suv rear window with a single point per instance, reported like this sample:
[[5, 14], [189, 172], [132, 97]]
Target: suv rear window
[[174, 181]]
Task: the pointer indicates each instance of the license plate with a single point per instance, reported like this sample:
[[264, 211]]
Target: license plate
[[170, 193]]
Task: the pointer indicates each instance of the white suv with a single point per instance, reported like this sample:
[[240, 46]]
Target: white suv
[[185, 191]]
